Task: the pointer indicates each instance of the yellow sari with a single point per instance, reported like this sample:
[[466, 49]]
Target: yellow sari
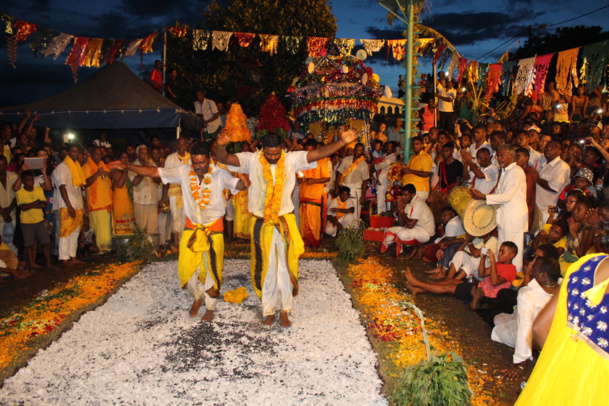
[[122, 205]]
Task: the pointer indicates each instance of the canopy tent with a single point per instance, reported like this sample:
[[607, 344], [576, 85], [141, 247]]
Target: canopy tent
[[112, 98]]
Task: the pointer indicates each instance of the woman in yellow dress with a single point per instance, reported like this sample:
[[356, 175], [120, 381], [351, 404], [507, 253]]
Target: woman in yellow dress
[[573, 368], [122, 203]]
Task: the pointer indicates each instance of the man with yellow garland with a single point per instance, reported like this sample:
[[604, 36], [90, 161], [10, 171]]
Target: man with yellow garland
[[68, 180], [172, 193], [99, 199], [313, 202], [201, 257], [276, 243], [353, 172]]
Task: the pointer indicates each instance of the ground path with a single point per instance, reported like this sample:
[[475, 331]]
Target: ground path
[[142, 348]]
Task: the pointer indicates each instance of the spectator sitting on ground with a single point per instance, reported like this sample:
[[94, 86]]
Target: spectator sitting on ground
[[340, 212], [9, 263], [496, 277], [551, 233], [442, 250]]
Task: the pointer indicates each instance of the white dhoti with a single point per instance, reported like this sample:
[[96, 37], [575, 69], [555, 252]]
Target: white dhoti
[[356, 195], [466, 262], [178, 218], [405, 234], [198, 290], [277, 287], [164, 227], [146, 217], [381, 194]]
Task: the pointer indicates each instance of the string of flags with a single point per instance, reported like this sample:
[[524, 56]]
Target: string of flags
[[586, 65]]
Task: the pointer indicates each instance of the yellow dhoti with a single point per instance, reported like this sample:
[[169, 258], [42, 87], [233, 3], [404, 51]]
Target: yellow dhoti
[[242, 226], [202, 247], [101, 224], [67, 224]]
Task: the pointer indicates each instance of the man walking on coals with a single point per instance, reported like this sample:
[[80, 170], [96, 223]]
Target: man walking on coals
[[276, 243], [201, 257]]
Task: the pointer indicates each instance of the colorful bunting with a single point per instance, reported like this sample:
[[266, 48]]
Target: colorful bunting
[[268, 43], [542, 64], [565, 66], [77, 54], [292, 44], [372, 45], [114, 50], [23, 31], [438, 52], [220, 40], [245, 38], [596, 56], [524, 78], [177, 32], [493, 80], [200, 40], [315, 45], [93, 53], [345, 45], [397, 47], [462, 69], [146, 45], [132, 47]]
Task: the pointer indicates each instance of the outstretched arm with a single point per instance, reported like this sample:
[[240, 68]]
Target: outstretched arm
[[222, 154], [150, 171], [346, 138]]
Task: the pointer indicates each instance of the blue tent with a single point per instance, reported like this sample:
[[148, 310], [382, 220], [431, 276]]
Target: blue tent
[[112, 98]]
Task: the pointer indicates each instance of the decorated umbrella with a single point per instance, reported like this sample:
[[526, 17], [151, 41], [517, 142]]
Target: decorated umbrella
[[334, 90]]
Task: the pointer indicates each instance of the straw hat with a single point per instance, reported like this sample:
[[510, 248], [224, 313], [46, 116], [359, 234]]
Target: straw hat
[[479, 218]]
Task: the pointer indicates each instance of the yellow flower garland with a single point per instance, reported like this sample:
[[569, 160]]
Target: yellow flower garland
[[202, 197], [350, 169], [272, 201]]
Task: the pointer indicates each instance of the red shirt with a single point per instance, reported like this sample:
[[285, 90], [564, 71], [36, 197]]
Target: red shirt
[[508, 271], [156, 79]]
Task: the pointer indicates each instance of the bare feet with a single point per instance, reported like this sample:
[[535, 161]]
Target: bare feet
[[194, 309], [75, 261], [437, 269], [413, 289], [438, 275], [208, 316], [269, 320], [36, 266], [477, 294], [284, 320]]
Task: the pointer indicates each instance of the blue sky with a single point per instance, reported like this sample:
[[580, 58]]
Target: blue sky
[[473, 26]]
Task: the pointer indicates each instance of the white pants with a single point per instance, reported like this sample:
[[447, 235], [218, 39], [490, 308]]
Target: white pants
[[407, 234], [296, 202], [356, 195], [146, 217], [197, 289], [68, 246], [346, 221], [277, 287], [515, 237], [178, 218], [230, 211], [466, 262]]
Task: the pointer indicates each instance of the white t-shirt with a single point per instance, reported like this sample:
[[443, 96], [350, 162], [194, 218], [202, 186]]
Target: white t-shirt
[[207, 109], [63, 176]]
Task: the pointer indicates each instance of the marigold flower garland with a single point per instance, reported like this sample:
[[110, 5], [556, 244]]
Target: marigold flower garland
[[274, 190], [202, 197], [351, 168]]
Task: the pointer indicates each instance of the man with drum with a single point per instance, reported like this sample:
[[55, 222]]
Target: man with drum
[[510, 195]]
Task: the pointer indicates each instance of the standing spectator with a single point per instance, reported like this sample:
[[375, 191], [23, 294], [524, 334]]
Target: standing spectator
[[8, 203], [446, 97], [102, 141], [145, 202], [171, 87], [207, 110], [522, 160], [553, 177], [353, 172], [122, 204], [428, 116], [172, 193], [156, 76], [383, 176], [34, 227], [99, 199], [68, 180], [419, 168], [510, 195]]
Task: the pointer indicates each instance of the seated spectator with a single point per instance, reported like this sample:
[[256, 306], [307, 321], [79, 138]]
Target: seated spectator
[[34, 227], [516, 330], [415, 219], [583, 181], [443, 248], [341, 212], [565, 213], [496, 277], [554, 234], [9, 263], [580, 237]]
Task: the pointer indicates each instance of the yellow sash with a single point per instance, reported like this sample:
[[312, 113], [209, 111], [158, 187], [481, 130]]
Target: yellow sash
[[350, 169], [78, 177]]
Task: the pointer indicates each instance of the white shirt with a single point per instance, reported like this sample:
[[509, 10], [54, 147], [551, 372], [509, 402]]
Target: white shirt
[[146, 191], [101, 143], [452, 229], [510, 195], [334, 205], [491, 174], [383, 167], [534, 157], [7, 195], [63, 176], [446, 106], [295, 161], [516, 330], [354, 178], [557, 173], [220, 180], [473, 150], [418, 210], [207, 109]]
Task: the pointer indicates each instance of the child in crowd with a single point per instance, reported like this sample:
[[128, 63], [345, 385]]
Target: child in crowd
[[34, 227], [498, 276], [87, 243], [554, 234], [340, 212]]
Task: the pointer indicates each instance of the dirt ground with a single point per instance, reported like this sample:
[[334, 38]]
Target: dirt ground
[[464, 325]]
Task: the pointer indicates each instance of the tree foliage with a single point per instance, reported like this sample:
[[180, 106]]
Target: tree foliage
[[562, 39], [247, 74]]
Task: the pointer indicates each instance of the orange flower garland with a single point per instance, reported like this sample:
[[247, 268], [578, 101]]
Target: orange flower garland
[[202, 197], [272, 201], [236, 124], [350, 169]]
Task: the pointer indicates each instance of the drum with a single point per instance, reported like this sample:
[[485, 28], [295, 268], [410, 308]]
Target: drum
[[477, 216]]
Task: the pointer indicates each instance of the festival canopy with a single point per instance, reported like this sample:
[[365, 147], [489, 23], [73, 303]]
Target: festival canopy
[[112, 98]]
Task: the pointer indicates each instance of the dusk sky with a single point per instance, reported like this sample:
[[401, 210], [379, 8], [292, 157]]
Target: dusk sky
[[474, 28]]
